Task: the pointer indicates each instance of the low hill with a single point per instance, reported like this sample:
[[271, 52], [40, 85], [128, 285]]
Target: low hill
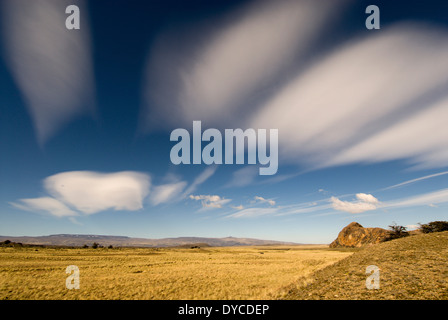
[[78, 240], [413, 267]]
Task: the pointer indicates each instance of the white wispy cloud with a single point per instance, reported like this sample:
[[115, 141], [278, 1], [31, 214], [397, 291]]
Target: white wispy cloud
[[210, 201], [76, 193], [243, 177], [426, 199], [167, 192], [364, 202], [416, 180], [204, 176], [306, 208], [47, 205], [407, 140], [86, 192], [253, 212], [263, 200], [51, 65], [368, 198], [371, 100], [177, 189], [219, 69], [279, 211], [367, 202]]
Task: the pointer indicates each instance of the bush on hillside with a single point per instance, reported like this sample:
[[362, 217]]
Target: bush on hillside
[[434, 226], [397, 231]]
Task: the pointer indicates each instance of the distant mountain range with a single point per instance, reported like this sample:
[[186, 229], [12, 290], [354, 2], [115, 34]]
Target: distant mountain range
[[121, 241]]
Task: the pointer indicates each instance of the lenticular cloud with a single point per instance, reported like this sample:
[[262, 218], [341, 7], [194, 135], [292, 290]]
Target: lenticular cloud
[[90, 192]]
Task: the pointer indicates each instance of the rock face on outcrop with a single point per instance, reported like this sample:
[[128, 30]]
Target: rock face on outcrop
[[355, 235]]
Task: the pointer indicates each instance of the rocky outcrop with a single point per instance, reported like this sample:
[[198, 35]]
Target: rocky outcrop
[[355, 235]]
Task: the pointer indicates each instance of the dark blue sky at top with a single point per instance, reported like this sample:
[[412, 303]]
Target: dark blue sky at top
[[122, 34]]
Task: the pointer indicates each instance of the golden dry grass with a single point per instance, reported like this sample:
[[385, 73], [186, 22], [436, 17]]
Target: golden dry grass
[[414, 267], [147, 273]]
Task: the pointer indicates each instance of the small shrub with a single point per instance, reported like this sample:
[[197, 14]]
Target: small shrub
[[397, 231], [434, 226], [7, 243]]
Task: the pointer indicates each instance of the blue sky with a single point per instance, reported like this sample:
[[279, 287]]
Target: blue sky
[[86, 116]]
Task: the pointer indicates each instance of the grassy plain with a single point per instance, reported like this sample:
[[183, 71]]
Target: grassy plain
[[160, 273]]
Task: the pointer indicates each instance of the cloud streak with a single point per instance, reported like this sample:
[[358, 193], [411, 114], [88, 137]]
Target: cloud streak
[[253, 212], [178, 190], [45, 204], [204, 176], [243, 177], [366, 100], [367, 202], [50, 64], [210, 201], [427, 199], [167, 192], [416, 180], [243, 53], [263, 200], [363, 203], [370, 100]]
